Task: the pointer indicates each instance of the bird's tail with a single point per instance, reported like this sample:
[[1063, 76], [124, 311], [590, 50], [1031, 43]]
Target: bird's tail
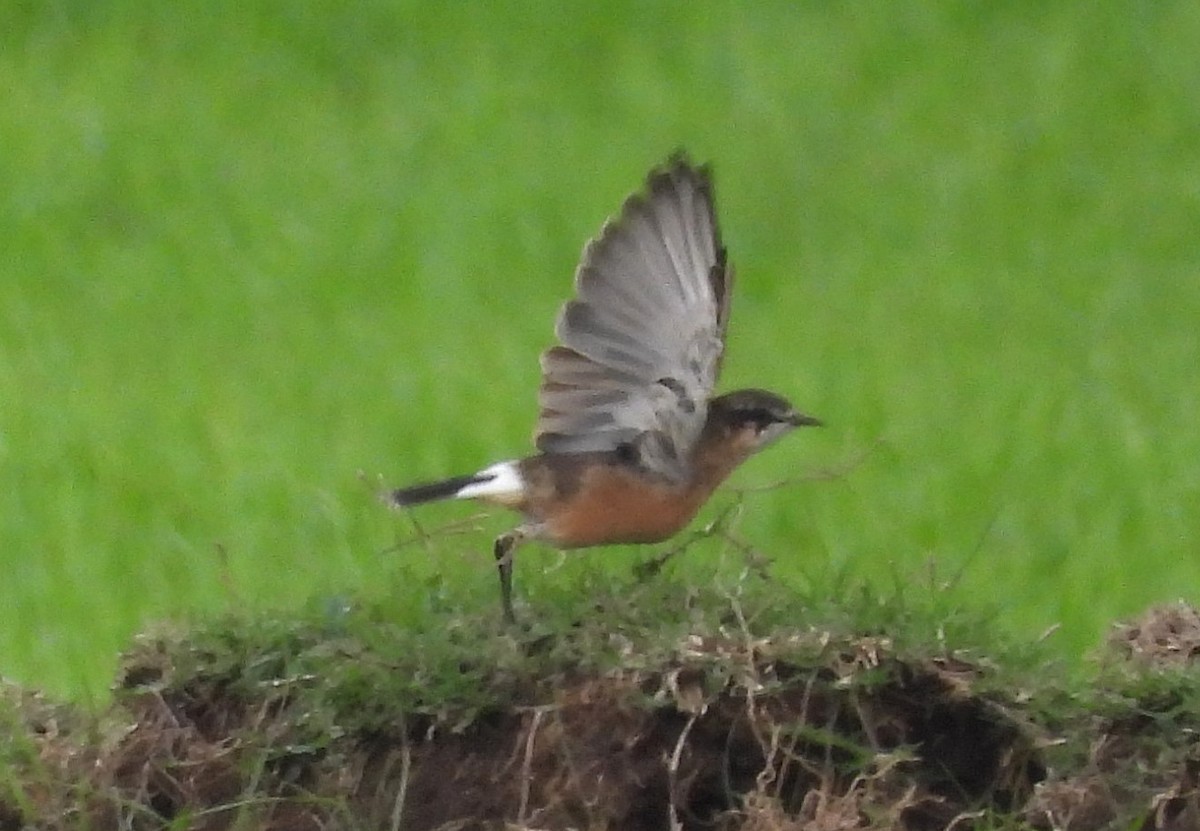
[[500, 483], [433, 491]]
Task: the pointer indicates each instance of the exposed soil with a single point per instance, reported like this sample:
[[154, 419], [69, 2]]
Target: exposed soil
[[729, 735]]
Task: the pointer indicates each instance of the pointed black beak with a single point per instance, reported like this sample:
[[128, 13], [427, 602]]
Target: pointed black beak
[[802, 420]]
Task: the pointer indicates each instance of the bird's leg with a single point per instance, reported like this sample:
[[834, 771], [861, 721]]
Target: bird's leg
[[506, 545]]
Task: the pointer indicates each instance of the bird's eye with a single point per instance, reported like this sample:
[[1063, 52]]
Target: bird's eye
[[759, 420]]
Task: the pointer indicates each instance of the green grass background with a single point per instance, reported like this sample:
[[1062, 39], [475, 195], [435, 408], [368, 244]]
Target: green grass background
[[248, 250]]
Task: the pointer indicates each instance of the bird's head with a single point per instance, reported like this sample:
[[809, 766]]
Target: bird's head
[[751, 419]]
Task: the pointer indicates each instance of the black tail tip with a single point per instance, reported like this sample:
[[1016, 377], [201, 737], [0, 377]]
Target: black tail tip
[[432, 491]]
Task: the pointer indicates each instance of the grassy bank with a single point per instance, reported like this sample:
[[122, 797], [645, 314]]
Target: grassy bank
[[666, 706]]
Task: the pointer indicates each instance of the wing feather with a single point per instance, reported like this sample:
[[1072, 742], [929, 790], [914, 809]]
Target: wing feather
[[641, 342]]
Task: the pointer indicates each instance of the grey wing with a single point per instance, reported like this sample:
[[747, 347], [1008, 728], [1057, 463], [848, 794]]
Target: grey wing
[[641, 343]]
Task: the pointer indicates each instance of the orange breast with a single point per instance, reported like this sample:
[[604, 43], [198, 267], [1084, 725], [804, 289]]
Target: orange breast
[[613, 505]]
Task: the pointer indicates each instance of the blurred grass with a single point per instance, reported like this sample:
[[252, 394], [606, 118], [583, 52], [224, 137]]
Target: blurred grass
[[251, 250]]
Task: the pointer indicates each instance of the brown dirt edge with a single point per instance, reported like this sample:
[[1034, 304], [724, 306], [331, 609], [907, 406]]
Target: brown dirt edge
[[860, 738]]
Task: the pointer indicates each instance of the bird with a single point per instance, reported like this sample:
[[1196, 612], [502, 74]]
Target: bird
[[630, 439]]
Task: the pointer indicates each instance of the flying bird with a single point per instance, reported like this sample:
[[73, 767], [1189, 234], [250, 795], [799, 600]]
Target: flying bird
[[630, 440]]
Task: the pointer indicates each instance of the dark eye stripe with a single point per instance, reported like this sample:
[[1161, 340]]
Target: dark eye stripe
[[757, 416]]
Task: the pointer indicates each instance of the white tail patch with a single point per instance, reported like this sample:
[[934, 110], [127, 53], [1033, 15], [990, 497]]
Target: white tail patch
[[505, 485]]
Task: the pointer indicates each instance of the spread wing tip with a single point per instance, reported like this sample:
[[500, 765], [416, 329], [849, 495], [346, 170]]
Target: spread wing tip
[[680, 168]]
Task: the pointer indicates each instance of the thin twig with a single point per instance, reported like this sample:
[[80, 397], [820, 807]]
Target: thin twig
[[527, 764], [652, 567], [460, 527], [673, 771], [402, 794], [826, 474]]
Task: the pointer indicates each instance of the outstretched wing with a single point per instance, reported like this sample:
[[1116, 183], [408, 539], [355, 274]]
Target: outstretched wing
[[641, 343]]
